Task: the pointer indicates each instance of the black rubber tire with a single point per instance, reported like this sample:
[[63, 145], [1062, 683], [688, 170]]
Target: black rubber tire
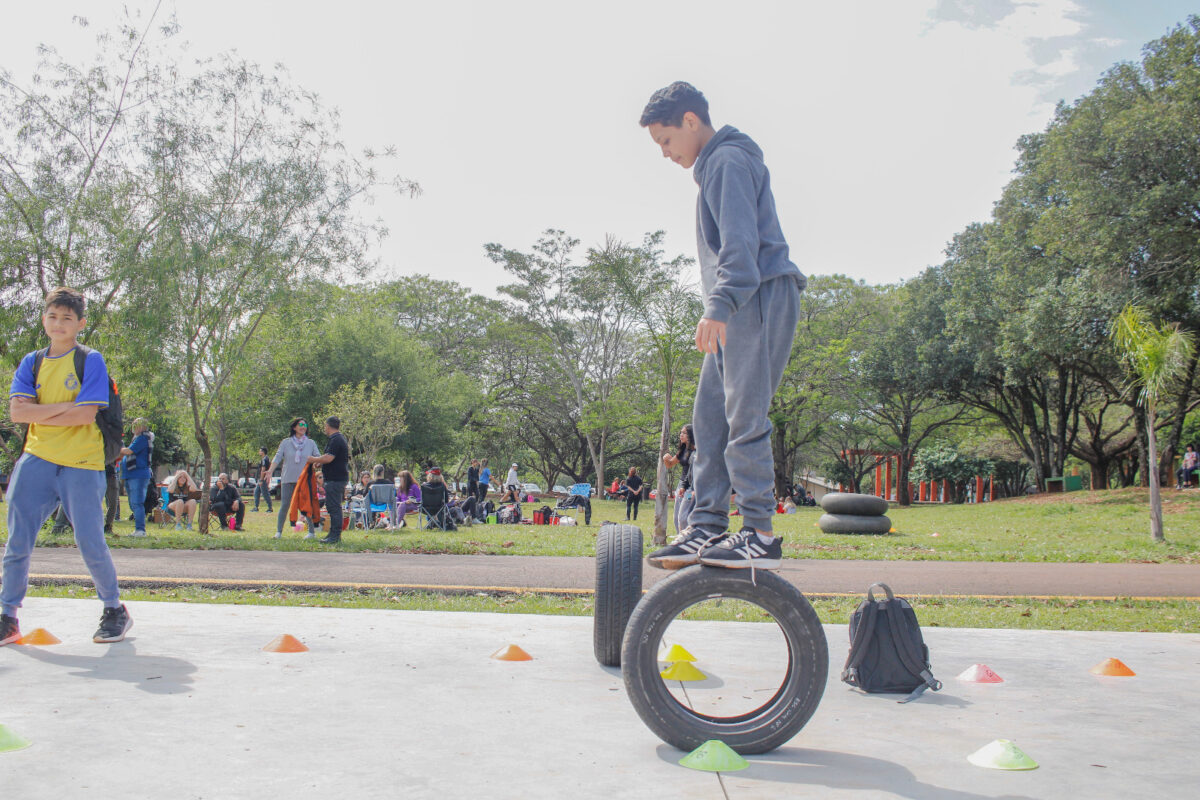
[[758, 731], [851, 523], [863, 505], [618, 588]]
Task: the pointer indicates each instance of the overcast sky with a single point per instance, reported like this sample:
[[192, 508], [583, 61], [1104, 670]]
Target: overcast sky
[[887, 125]]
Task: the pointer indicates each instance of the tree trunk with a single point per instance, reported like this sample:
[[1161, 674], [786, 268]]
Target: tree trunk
[[206, 448], [1143, 457], [1156, 523], [902, 493], [660, 501]]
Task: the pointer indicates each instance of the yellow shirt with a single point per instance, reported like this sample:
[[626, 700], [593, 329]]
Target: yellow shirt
[[80, 446]]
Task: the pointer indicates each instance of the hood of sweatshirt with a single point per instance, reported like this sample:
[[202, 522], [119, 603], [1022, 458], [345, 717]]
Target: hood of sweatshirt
[[728, 136]]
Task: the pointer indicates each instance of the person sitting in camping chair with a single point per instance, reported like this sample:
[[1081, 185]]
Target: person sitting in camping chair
[[435, 496]]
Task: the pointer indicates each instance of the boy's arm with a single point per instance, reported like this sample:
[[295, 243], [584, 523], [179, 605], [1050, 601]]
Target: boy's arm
[[73, 415], [732, 196], [24, 409]]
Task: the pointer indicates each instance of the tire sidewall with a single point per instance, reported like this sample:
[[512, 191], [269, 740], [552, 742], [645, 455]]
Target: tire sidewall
[[755, 732]]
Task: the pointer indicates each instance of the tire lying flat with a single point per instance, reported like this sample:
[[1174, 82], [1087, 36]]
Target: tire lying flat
[[759, 731], [863, 505], [852, 523], [618, 588]]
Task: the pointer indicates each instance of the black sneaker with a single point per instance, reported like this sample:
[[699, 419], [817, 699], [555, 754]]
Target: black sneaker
[[9, 630], [744, 549], [330, 540], [685, 549], [114, 624]]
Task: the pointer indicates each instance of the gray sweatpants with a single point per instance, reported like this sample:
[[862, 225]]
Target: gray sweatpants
[[733, 431]]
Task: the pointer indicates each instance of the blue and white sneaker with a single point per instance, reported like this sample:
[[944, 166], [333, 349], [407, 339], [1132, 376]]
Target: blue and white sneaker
[[684, 549], [744, 550]]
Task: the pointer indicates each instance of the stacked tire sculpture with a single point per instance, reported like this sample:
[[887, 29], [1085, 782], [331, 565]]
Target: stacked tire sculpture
[[853, 513], [618, 588]]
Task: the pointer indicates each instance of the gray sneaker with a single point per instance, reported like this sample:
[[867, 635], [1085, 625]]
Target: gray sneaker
[[685, 549], [114, 624]]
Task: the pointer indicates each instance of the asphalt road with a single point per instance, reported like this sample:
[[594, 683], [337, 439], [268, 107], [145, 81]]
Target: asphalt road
[[577, 575]]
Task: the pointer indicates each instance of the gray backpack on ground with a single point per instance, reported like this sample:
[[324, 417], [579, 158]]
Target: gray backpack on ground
[[887, 652]]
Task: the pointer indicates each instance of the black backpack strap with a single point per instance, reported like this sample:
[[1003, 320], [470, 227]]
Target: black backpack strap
[[81, 354], [858, 649], [913, 661], [38, 357]]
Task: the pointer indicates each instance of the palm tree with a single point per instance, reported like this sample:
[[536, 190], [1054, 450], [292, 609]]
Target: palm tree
[[1155, 356]]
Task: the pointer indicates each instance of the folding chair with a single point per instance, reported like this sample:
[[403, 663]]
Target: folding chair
[[381, 499], [360, 515], [579, 496]]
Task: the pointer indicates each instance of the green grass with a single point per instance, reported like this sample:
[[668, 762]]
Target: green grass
[[1016, 612], [1082, 526]]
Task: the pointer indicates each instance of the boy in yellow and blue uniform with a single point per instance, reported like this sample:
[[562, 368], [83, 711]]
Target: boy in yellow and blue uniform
[[63, 462]]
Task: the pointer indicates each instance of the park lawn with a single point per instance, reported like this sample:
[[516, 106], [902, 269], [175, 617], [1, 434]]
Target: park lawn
[[1110, 526], [1015, 612]]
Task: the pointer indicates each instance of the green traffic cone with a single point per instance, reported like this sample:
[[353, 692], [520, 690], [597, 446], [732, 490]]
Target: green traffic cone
[[714, 756], [1001, 754], [10, 741]]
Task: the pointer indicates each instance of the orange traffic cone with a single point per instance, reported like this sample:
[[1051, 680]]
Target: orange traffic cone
[[285, 643], [979, 673], [1113, 667], [511, 653], [39, 636]]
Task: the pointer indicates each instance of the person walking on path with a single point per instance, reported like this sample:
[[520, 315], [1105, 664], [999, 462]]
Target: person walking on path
[[751, 293], [292, 455], [58, 391], [262, 488], [485, 481], [137, 472], [684, 497], [633, 492], [335, 467]]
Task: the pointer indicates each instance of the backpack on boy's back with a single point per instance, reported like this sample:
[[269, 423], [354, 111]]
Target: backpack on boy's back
[[110, 420], [887, 651]]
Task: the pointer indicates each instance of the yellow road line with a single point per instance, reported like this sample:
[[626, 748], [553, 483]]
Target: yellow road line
[[424, 587]]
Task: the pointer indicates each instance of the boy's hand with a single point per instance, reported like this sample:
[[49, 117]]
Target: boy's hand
[[709, 334]]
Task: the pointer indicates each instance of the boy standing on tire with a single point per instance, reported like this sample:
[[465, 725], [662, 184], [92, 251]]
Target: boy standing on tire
[[63, 462], [751, 306]]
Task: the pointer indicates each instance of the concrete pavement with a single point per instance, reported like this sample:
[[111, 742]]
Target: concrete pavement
[[577, 575], [408, 704]]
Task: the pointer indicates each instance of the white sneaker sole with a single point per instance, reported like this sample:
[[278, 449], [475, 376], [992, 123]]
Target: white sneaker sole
[[759, 563], [15, 637], [673, 562]]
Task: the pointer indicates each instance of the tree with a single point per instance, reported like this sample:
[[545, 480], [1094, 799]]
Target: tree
[[577, 323], [370, 416], [666, 311], [1155, 356]]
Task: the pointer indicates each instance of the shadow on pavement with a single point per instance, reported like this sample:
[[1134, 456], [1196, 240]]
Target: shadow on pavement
[[120, 662], [836, 770]]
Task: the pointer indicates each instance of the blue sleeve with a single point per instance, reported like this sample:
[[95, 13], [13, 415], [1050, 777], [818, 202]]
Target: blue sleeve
[[94, 391], [22, 382], [731, 194]]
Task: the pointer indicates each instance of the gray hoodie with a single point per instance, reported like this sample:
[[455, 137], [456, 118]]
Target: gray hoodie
[[740, 242]]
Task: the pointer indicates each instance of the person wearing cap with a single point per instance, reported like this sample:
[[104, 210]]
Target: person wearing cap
[[512, 481]]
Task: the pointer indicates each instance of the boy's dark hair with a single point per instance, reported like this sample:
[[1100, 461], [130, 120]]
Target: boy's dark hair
[[66, 297], [668, 105], [262, 450], [334, 423]]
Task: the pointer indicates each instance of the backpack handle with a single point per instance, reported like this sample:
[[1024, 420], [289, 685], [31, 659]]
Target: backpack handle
[[887, 590]]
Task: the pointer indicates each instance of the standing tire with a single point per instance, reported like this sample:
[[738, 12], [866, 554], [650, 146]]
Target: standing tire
[[758, 731], [862, 505], [618, 588]]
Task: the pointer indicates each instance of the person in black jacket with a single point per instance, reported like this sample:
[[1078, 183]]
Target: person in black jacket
[[633, 492], [224, 499]]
